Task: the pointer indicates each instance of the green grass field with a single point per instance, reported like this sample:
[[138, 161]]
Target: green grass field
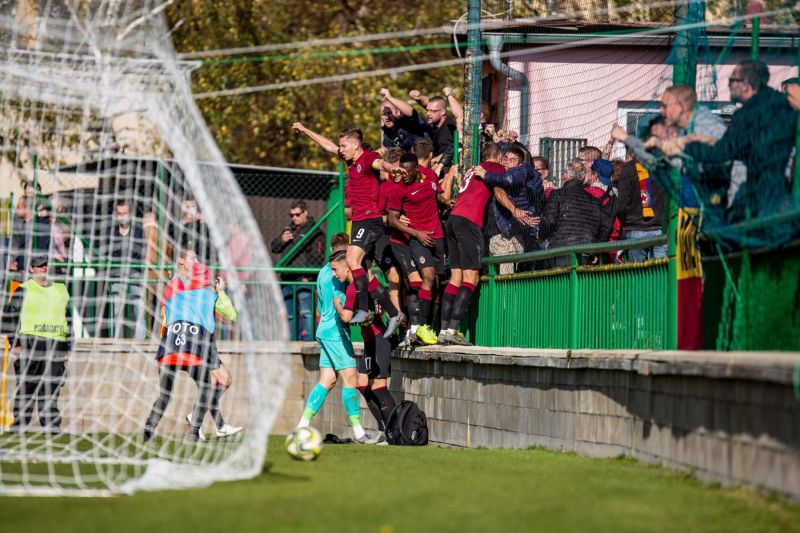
[[386, 489]]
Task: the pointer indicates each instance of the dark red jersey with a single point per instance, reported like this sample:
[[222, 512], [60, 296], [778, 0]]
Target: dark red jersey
[[474, 195], [388, 189], [367, 332], [428, 174], [418, 202], [362, 189]]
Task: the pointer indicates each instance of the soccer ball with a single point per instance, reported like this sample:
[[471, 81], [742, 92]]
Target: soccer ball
[[304, 444]]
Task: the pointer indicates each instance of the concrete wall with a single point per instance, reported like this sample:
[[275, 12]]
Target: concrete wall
[[731, 417]]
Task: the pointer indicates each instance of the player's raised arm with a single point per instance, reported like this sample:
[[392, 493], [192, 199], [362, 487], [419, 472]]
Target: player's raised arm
[[326, 144]]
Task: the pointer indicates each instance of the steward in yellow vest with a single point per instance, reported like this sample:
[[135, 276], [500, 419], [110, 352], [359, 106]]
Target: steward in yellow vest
[[37, 320]]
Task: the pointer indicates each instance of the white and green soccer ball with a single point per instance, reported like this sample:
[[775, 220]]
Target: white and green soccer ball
[[304, 444]]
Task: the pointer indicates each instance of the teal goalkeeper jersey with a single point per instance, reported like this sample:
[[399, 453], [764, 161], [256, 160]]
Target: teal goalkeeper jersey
[[330, 327]]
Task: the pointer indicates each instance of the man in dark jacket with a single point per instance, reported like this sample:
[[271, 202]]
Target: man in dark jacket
[[761, 134], [641, 209], [400, 123], [310, 254], [511, 222], [442, 127], [573, 216], [125, 247]]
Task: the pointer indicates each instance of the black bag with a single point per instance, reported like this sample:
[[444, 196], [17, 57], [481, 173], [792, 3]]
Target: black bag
[[407, 425]]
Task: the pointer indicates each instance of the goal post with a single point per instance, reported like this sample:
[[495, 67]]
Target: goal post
[[118, 176]]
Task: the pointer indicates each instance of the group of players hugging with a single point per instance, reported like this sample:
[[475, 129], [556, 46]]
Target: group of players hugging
[[393, 202]]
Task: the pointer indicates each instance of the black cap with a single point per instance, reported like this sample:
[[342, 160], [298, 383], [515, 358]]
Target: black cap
[[39, 261]]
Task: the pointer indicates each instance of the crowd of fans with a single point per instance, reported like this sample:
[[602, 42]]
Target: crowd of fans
[[723, 168], [509, 204]]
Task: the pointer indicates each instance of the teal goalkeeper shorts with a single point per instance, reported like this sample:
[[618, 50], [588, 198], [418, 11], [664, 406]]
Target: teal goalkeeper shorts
[[337, 354]]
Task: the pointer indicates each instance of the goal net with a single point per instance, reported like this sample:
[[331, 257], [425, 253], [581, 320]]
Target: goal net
[[117, 185]]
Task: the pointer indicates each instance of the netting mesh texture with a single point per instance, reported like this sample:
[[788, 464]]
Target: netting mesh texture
[[99, 120]]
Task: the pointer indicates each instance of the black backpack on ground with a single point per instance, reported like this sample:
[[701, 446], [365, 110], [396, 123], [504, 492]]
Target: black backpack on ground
[[407, 425]]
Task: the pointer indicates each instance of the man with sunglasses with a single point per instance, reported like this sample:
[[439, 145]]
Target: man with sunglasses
[[311, 253], [761, 135]]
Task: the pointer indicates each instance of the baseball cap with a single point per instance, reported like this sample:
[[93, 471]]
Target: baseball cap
[[604, 169], [39, 261]]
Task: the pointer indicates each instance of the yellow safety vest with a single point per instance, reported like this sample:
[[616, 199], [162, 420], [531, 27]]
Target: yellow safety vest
[[44, 311]]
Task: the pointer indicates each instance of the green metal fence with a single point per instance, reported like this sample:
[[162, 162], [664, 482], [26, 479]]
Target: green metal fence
[[606, 306]]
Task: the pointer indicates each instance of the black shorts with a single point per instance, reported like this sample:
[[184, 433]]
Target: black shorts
[[464, 243], [383, 254], [426, 257], [185, 344], [377, 359], [365, 235], [404, 258]]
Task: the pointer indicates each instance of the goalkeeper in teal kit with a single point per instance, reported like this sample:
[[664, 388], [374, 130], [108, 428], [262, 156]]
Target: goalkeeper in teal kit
[[336, 349]]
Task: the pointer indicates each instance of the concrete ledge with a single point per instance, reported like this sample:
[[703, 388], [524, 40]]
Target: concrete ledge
[[730, 417]]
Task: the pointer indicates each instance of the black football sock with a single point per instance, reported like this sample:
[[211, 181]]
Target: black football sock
[[461, 304], [412, 307], [374, 406], [379, 294], [362, 294], [448, 298], [214, 408], [387, 403], [166, 377], [425, 297]]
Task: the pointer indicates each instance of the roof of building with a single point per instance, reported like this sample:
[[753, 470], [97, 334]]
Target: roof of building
[[552, 30]]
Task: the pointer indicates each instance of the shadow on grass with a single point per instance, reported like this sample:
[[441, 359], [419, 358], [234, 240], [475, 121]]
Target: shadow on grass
[[267, 474]]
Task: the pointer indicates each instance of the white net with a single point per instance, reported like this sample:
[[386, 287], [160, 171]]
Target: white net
[[121, 189]]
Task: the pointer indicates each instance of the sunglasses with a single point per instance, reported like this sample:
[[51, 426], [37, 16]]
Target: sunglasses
[[296, 214], [735, 80]]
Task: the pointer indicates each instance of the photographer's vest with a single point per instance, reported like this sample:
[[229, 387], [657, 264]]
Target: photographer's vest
[[44, 311]]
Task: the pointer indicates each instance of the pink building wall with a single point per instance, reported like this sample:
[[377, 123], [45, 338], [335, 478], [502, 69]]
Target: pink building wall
[[579, 93]]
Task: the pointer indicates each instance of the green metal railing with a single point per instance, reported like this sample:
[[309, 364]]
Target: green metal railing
[[605, 306]]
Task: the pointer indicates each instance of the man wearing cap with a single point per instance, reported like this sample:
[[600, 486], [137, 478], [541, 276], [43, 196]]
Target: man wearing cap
[[37, 320], [598, 182]]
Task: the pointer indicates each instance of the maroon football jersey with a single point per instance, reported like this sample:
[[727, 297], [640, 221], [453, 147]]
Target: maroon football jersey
[[420, 205], [474, 195], [388, 189], [362, 189]]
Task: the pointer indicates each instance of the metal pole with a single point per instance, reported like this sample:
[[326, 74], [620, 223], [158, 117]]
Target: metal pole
[[35, 233], [796, 176], [494, 321], [574, 301], [472, 84], [684, 72], [336, 221], [161, 207], [754, 37]]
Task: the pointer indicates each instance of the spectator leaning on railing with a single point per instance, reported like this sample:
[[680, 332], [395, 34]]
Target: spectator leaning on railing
[[573, 216], [761, 135], [310, 254]]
